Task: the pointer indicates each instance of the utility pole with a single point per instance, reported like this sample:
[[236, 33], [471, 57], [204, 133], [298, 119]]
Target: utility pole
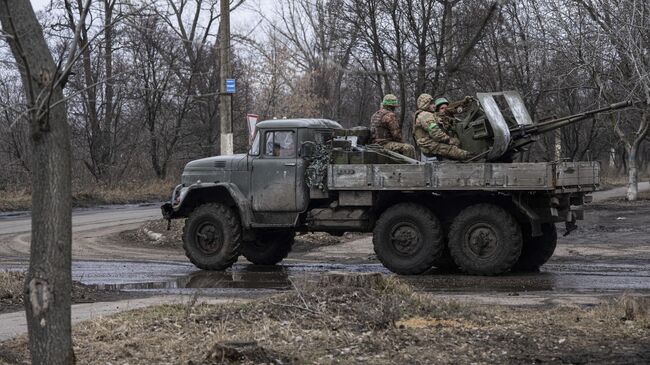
[[225, 96]]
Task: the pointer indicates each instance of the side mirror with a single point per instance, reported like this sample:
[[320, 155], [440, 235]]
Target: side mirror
[[307, 150]]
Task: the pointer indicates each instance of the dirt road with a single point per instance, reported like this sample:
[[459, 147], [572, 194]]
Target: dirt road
[[609, 255], [90, 228], [93, 228]]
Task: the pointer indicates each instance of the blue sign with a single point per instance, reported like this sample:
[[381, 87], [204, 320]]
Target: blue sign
[[230, 86]]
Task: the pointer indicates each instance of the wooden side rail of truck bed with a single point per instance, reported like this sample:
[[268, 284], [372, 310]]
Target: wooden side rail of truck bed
[[536, 176]]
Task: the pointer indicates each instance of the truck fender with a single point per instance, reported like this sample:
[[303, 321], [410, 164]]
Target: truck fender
[[200, 193], [533, 218]]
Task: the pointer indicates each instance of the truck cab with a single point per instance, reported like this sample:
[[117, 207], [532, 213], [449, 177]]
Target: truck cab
[[268, 181]]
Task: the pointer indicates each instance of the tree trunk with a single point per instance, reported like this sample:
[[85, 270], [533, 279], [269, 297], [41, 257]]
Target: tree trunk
[[109, 92], [48, 283], [632, 175]]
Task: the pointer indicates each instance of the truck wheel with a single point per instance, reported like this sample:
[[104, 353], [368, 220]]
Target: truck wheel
[[408, 239], [537, 250], [485, 239], [269, 248], [212, 237]]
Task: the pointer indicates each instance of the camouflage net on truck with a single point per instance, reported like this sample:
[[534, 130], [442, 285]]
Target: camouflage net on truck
[[316, 171]]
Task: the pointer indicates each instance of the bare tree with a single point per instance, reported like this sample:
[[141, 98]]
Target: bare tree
[[626, 25], [14, 132], [192, 22], [49, 280], [96, 84], [155, 57], [145, 87], [321, 44]]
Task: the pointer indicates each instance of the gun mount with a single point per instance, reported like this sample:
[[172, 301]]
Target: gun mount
[[484, 130]]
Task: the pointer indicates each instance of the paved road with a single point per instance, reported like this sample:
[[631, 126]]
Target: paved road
[[86, 219], [93, 234]]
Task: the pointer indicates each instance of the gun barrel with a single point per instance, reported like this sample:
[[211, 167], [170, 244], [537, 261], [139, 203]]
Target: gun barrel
[[564, 121]]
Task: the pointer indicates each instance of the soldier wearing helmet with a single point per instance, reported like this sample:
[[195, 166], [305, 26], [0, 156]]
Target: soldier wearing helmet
[[445, 118], [441, 104], [431, 135], [386, 130]]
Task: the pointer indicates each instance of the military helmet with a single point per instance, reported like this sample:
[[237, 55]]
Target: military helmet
[[390, 100], [424, 101], [441, 101]]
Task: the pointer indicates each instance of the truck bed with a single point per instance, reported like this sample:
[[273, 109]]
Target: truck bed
[[451, 176]]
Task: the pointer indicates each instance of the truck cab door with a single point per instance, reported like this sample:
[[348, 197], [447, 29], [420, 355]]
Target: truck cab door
[[274, 173]]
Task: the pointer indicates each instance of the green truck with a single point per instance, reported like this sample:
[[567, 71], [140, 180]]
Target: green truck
[[486, 216]]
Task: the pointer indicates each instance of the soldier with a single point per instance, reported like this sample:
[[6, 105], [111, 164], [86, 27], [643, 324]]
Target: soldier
[[431, 135], [441, 105], [386, 130], [445, 116]]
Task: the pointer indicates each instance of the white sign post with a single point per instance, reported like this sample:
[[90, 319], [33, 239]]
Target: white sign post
[[251, 123]]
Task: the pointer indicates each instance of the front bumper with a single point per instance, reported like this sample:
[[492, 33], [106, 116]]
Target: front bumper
[[170, 209]]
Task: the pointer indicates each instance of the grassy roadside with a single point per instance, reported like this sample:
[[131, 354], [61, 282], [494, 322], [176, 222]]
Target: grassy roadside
[[11, 289], [378, 321], [20, 199], [11, 293]]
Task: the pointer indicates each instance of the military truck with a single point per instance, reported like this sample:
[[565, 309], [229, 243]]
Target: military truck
[[486, 216]]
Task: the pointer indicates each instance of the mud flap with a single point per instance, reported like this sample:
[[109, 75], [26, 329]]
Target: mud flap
[[570, 224], [167, 211]]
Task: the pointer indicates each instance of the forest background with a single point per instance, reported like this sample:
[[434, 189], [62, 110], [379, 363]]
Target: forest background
[[143, 97]]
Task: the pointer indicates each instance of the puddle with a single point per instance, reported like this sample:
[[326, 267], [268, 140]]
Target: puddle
[[179, 277], [243, 277], [276, 278]]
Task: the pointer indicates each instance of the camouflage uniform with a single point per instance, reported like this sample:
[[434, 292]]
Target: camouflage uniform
[[387, 133], [431, 134]]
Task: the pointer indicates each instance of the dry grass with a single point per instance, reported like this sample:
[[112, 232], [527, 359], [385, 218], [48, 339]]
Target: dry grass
[[155, 232], [611, 179], [11, 292], [11, 287], [382, 324], [15, 200], [155, 190]]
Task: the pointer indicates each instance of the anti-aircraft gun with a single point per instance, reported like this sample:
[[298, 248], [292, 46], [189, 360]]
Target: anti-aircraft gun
[[484, 130]]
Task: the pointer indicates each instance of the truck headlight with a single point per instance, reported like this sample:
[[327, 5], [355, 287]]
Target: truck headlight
[[179, 194]]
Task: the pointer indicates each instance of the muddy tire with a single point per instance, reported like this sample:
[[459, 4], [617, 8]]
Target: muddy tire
[[408, 239], [212, 237], [269, 248], [485, 239], [537, 250]]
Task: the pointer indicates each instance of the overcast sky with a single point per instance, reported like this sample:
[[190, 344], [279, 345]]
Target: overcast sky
[[243, 19]]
